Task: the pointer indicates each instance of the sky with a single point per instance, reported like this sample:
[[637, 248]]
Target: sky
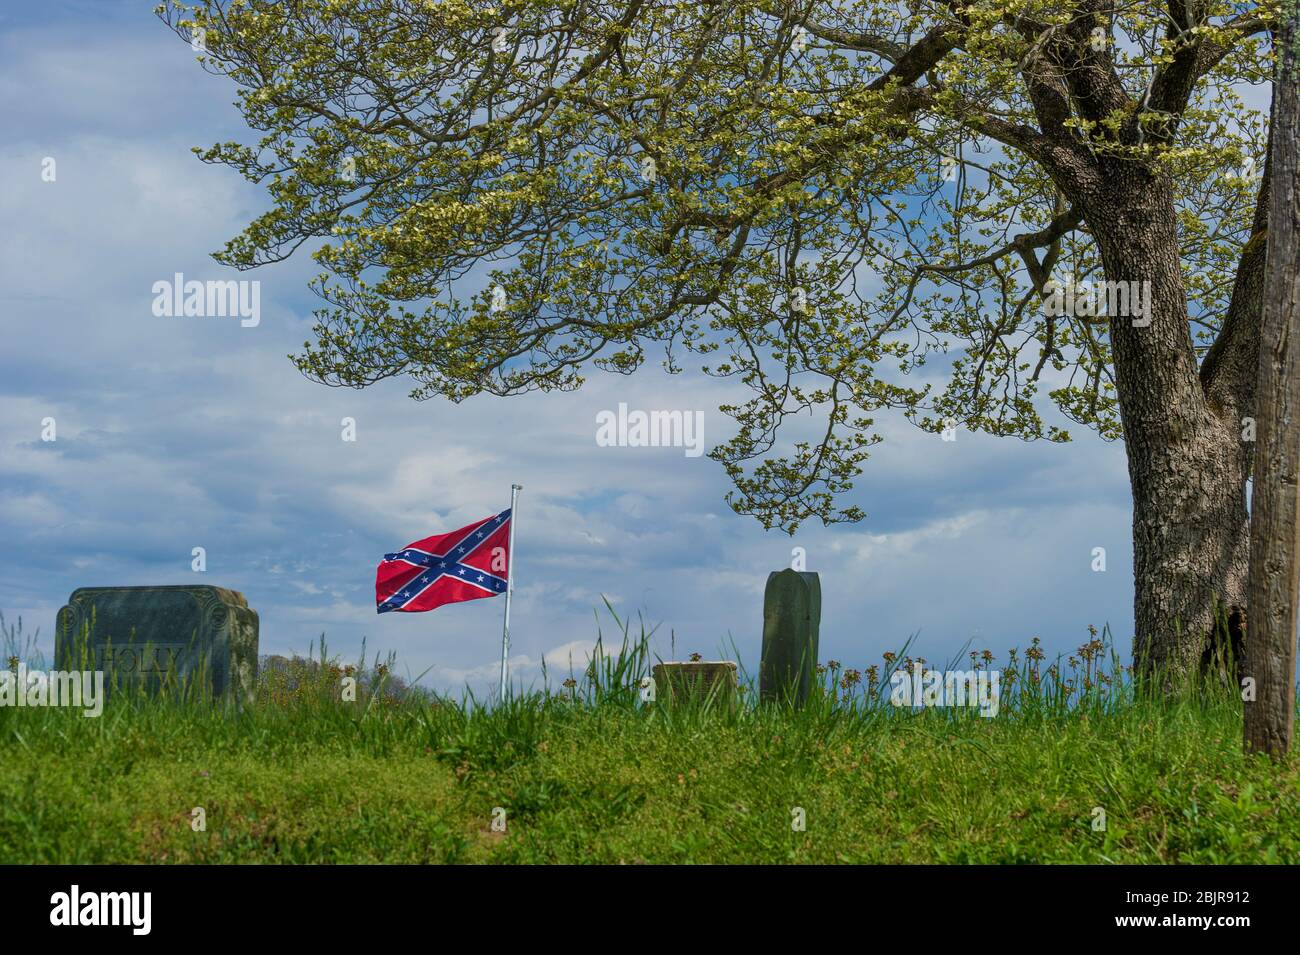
[[173, 433]]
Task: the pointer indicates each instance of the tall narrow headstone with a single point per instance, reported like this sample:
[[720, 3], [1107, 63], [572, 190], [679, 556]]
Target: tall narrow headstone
[[792, 610], [196, 637]]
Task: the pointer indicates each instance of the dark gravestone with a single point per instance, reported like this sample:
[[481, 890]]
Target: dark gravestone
[[192, 638], [792, 611]]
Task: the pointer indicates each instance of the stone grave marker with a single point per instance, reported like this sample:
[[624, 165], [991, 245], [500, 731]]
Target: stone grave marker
[[713, 680], [191, 636], [792, 610]]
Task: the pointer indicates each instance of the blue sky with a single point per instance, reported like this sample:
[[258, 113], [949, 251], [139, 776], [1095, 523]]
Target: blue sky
[[174, 433]]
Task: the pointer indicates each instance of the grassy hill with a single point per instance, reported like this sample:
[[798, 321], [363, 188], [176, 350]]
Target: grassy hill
[[594, 774]]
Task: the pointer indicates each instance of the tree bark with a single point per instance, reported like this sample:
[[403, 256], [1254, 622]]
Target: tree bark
[[1187, 462], [1274, 586]]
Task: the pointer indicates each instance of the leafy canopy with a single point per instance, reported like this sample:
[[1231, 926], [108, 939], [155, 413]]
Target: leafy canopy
[[814, 198]]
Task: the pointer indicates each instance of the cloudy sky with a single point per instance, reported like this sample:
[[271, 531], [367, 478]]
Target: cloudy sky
[[176, 433]]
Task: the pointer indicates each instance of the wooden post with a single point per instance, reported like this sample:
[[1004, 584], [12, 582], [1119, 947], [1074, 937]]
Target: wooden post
[[1275, 509], [792, 610]]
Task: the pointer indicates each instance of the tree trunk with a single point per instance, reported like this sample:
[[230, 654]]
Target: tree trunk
[[1275, 548], [1191, 550], [1187, 462]]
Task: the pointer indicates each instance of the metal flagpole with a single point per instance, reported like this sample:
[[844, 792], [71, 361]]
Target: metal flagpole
[[510, 585]]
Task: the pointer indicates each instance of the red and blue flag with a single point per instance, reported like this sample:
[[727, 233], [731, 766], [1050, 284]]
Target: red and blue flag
[[465, 564]]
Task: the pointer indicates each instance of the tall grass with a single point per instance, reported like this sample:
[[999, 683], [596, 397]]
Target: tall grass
[[310, 695], [589, 769]]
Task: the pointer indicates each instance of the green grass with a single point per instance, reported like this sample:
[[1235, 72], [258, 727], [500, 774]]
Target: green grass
[[592, 774]]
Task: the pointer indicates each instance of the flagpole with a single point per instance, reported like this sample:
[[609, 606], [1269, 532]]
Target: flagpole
[[510, 585]]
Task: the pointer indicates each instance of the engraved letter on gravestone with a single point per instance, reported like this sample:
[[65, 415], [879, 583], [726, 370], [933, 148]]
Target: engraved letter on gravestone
[[792, 610], [188, 636]]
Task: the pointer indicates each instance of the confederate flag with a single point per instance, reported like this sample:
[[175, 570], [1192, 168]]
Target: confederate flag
[[463, 565]]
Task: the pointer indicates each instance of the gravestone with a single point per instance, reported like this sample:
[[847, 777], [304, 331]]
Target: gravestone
[[713, 680], [792, 610], [192, 637]]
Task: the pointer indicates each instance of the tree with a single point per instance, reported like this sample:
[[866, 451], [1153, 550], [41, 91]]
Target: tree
[[1275, 501], [818, 198]]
